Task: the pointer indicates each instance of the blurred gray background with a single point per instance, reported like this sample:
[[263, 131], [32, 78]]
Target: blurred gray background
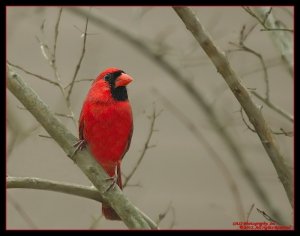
[[178, 172]]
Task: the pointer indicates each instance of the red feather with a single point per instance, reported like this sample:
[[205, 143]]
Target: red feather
[[106, 124]]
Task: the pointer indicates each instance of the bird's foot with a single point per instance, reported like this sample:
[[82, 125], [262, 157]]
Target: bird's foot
[[79, 146], [113, 180]]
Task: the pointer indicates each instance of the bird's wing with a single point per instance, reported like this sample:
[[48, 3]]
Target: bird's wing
[[81, 125], [129, 141]]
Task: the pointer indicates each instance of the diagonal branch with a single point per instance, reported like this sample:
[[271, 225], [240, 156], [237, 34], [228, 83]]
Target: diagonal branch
[[114, 197], [254, 114]]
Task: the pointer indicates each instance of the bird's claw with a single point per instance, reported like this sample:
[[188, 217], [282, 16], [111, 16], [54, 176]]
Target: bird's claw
[[79, 145], [113, 180]]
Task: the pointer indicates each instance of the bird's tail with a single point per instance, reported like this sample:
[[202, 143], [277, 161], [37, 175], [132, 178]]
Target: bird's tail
[[107, 211]]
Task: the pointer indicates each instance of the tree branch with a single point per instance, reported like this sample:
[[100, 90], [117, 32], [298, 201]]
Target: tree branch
[[254, 114], [274, 107], [281, 39], [79, 62], [146, 147], [129, 213], [50, 185]]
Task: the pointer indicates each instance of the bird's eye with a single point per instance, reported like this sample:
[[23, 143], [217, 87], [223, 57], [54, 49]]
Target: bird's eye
[[107, 77]]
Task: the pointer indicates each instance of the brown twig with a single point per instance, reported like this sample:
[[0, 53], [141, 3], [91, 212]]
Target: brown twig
[[79, 62], [163, 215], [263, 21], [266, 216], [33, 74], [241, 45], [146, 146], [56, 35], [274, 107], [283, 132], [78, 81], [280, 38]]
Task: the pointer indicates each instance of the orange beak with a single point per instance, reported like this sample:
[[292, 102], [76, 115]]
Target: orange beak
[[123, 80]]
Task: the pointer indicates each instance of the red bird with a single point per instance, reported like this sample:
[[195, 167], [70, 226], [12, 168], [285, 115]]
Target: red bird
[[106, 124]]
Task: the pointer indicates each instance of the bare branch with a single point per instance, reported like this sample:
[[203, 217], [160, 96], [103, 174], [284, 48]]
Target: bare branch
[[80, 60], [249, 212], [114, 197], [50, 185], [263, 19], [146, 147], [255, 116], [56, 35], [283, 132], [280, 36], [243, 47], [274, 107], [78, 81], [162, 215], [266, 216], [245, 122], [33, 74], [51, 58]]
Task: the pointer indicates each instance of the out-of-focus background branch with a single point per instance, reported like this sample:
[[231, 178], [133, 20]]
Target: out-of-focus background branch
[[184, 174]]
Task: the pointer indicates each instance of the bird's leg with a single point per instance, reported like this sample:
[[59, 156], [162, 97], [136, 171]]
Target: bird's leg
[[79, 145], [113, 180]]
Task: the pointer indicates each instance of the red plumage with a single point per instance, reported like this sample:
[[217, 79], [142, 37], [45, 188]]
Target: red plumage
[[106, 124]]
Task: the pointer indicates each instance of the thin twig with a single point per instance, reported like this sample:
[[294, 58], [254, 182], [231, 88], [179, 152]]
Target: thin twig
[[249, 212], [162, 215], [51, 58], [266, 216], [243, 119], [146, 147], [283, 132], [274, 107], [278, 29], [78, 81], [241, 45], [79, 62], [33, 74], [263, 21], [56, 35], [280, 38]]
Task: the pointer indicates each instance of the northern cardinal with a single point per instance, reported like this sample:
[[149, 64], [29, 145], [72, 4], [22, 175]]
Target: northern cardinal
[[106, 125]]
